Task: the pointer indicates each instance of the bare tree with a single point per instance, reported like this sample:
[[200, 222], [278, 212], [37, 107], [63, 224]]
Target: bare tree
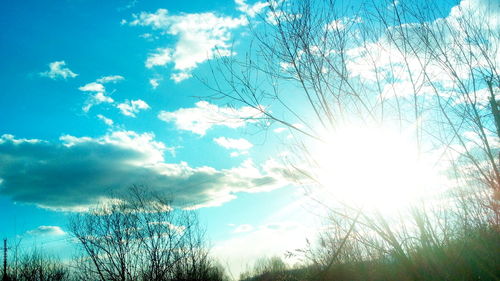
[[315, 66], [36, 266], [140, 236]]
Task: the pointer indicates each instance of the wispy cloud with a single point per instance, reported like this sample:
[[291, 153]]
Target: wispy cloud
[[111, 78], [250, 10], [160, 57], [229, 143], [154, 82], [200, 37], [46, 230], [130, 108], [57, 70], [95, 99], [383, 60], [181, 76], [104, 119], [342, 23], [92, 87], [97, 91], [205, 115]]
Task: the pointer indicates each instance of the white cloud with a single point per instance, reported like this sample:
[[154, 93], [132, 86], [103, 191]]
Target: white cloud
[[11, 138], [201, 36], [342, 23], [405, 89], [111, 78], [482, 11], [99, 90], [155, 82], [162, 56], [181, 76], [250, 10], [79, 172], [481, 97], [96, 99], [58, 70], [92, 87], [386, 59], [100, 98], [130, 108], [229, 143], [46, 230], [98, 85], [179, 229], [277, 14], [205, 115], [148, 36], [106, 120]]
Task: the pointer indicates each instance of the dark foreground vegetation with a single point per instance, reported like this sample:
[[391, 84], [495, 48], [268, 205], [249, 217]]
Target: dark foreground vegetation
[[38, 267], [140, 238], [472, 257], [458, 242], [136, 236]]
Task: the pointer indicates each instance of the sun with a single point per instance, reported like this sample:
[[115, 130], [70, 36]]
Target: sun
[[374, 168]]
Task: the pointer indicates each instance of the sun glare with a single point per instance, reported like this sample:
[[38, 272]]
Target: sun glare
[[374, 168]]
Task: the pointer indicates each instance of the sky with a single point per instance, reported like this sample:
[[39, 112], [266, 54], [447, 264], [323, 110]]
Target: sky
[[98, 96], [101, 95]]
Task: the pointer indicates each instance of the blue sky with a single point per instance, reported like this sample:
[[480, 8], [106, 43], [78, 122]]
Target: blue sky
[[83, 93], [101, 95]]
